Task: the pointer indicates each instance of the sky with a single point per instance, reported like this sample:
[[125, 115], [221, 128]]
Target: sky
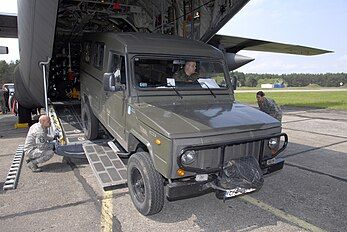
[[9, 6], [312, 23]]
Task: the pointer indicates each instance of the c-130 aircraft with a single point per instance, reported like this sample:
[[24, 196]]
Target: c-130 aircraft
[[176, 129], [54, 28]]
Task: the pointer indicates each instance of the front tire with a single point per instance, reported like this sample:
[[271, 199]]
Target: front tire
[[90, 122], [146, 185]]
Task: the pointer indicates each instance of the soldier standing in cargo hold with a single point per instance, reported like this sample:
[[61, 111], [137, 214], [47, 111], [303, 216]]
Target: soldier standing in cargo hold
[[269, 106], [38, 148]]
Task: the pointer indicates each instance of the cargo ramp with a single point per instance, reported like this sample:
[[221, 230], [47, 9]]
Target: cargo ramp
[[102, 153]]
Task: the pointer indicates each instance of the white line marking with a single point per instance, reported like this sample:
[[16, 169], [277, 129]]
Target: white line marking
[[297, 221]]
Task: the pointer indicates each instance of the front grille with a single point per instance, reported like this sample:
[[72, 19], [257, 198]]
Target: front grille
[[245, 149], [211, 158]]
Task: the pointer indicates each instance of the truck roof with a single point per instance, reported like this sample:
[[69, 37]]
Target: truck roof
[[161, 44]]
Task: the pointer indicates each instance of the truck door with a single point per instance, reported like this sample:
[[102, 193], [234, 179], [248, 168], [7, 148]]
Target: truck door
[[116, 102]]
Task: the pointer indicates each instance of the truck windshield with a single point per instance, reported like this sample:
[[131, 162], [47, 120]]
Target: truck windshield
[[178, 73]]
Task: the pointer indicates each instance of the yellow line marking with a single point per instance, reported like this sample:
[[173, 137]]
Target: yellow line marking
[[281, 214], [106, 212]]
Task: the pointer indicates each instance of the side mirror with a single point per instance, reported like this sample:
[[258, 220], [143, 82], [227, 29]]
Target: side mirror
[[112, 82], [233, 82]]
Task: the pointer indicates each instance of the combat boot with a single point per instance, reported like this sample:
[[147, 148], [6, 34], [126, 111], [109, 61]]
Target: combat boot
[[33, 167]]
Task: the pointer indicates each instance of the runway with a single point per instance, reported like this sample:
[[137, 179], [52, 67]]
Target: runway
[[309, 194]]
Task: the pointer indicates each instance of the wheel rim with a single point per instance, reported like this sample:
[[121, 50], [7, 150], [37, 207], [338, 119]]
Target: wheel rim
[[138, 185]]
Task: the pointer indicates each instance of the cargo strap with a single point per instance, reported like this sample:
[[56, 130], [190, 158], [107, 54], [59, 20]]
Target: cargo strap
[[13, 174], [106, 165]]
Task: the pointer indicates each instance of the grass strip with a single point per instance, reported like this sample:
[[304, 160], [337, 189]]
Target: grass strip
[[322, 100]]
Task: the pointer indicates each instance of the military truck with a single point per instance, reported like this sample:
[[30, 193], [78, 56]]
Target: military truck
[[180, 138]]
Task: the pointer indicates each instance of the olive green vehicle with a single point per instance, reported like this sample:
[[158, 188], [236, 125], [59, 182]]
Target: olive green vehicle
[[181, 139]]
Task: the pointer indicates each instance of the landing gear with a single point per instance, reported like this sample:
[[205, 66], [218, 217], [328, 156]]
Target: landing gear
[[24, 115]]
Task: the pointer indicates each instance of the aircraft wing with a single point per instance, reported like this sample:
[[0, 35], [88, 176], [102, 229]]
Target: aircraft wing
[[233, 44], [8, 25]]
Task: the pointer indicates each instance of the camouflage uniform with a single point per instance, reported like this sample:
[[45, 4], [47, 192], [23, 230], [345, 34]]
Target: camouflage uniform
[[182, 76], [1, 101], [37, 147], [270, 107]]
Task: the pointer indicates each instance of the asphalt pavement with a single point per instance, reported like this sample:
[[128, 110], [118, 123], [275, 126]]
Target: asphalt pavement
[[310, 193]]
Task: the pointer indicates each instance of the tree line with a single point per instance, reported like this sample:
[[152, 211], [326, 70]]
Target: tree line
[[6, 71], [292, 80], [244, 79]]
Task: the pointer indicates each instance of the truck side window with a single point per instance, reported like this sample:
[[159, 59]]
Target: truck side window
[[86, 51], [98, 54], [117, 66]]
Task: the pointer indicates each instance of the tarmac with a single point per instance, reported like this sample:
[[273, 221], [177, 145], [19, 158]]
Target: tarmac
[[308, 194]]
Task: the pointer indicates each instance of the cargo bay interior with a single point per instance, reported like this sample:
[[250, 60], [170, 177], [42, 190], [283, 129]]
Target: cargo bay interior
[[183, 18]]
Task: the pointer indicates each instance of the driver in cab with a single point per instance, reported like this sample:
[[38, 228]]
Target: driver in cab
[[187, 74]]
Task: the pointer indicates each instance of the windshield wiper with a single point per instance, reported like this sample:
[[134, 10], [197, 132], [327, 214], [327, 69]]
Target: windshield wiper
[[173, 87], [209, 89]]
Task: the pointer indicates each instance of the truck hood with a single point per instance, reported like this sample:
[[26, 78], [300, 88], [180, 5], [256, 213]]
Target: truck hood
[[192, 120]]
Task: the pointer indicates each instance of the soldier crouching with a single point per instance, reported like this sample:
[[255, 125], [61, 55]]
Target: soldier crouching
[[269, 106], [38, 146]]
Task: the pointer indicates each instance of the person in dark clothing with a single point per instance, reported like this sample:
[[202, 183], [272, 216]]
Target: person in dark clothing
[[268, 106], [4, 99]]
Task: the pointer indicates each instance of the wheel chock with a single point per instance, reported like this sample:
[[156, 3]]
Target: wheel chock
[[21, 125]]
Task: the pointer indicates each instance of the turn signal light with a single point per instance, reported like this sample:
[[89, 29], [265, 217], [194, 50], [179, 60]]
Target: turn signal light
[[180, 172], [157, 141]]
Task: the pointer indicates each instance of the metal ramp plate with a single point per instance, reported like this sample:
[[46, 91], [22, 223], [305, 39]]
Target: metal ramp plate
[[69, 114], [106, 165], [13, 174], [70, 118]]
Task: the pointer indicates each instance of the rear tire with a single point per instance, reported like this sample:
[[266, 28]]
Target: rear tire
[[146, 185], [90, 122]]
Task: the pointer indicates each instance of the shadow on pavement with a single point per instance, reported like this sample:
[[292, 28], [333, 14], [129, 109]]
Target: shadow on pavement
[[236, 214], [7, 130], [56, 167]]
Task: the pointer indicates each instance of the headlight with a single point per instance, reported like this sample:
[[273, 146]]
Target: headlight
[[188, 157], [273, 143]]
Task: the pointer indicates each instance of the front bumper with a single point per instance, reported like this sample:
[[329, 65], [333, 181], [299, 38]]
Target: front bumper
[[276, 165], [187, 189], [181, 189], [191, 188]]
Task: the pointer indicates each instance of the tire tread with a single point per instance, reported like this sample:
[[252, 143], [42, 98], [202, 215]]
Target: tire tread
[[143, 159]]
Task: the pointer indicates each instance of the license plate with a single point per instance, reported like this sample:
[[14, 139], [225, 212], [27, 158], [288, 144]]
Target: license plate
[[201, 177], [237, 191]]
